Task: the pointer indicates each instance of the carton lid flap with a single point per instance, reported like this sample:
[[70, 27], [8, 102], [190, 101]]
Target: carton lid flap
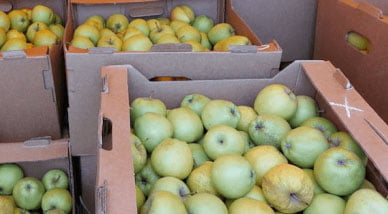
[[107, 1], [5, 5], [370, 9]]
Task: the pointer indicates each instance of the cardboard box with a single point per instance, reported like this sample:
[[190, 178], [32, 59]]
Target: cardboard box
[[37, 156], [33, 86], [320, 79], [83, 66]]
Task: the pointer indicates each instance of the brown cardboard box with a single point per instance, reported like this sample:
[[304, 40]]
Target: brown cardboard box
[[37, 156], [33, 85], [340, 102], [83, 67]]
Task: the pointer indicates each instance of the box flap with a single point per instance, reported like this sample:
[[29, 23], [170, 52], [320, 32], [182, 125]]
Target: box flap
[[5, 5], [115, 193], [107, 1]]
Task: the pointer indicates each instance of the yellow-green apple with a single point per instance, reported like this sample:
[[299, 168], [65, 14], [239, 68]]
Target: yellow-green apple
[[22, 211], [199, 154], [345, 141], [195, 46], [57, 198], [232, 176], [221, 140], [268, 129], [264, 158], [164, 21], [7, 204], [28, 11], [3, 36], [152, 128], [19, 20], [137, 43], [232, 40], [120, 35], [55, 178], [317, 188], [94, 23], [256, 193], [358, 41], [163, 202], [10, 174], [33, 28], [140, 198], [366, 201], [97, 18], [58, 29], [307, 108], [177, 24], [287, 188], [142, 105], [153, 24], [141, 25], [173, 185], [30, 45], [14, 44], [159, 31], [89, 32], [205, 41], [220, 112], [41, 13], [106, 32], [219, 32], [322, 124], [249, 206], [28, 193], [200, 180], [131, 31], [247, 114], [5, 23], [203, 23], [219, 46], [205, 203], [110, 41], [182, 13], [81, 42], [168, 39], [247, 141], [195, 102], [57, 19], [146, 178], [187, 33], [139, 153], [303, 145], [367, 185], [45, 38], [117, 23], [276, 99], [15, 34], [186, 123], [55, 211], [172, 157], [334, 168], [326, 203]]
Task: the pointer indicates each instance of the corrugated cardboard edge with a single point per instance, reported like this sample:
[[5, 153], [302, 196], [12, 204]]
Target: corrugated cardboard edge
[[115, 191], [107, 1]]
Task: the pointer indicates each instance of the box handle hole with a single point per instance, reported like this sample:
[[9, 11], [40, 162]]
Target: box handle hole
[[169, 78], [107, 134]]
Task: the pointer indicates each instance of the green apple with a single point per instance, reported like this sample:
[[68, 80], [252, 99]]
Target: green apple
[[152, 128], [117, 23], [221, 140], [307, 108], [3, 36], [58, 30], [200, 180], [7, 205], [14, 44], [28, 11], [140, 198], [247, 114], [164, 21], [146, 178], [345, 141], [14, 34], [94, 23], [322, 124], [220, 112], [358, 41], [97, 18], [5, 23], [142, 105], [21, 211], [219, 32], [168, 39], [317, 188], [28, 193], [249, 206], [139, 153], [182, 13], [199, 154], [106, 32], [287, 188], [19, 20], [268, 129], [233, 176], [89, 32], [172, 157], [10, 174], [186, 123], [153, 24], [203, 23], [137, 43], [55, 211], [367, 185], [195, 102], [57, 19], [247, 141], [45, 38], [55, 178], [163, 202], [232, 40], [195, 46], [57, 198], [276, 99], [366, 201], [41, 13], [339, 171], [33, 28], [205, 41], [205, 203], [81, 42], [256, 193], [110, 41], [326, 203], [264, 158], [186, 33], [159, 31], [131, 31], [141, 25], [177, 24], [303, 145], [173, 185]]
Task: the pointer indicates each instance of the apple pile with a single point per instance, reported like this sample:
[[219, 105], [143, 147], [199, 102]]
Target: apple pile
[[29, 195], [27, 28], [212, 156], [139, 34]]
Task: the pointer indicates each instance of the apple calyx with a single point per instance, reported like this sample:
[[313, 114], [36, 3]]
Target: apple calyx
[[233, 111], [288, 145], [341, 162], [28, 187], [334, 142], [259, 126]]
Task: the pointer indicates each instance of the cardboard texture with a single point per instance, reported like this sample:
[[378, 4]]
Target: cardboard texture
[[367, 72], [82, 66], [33, 87]]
